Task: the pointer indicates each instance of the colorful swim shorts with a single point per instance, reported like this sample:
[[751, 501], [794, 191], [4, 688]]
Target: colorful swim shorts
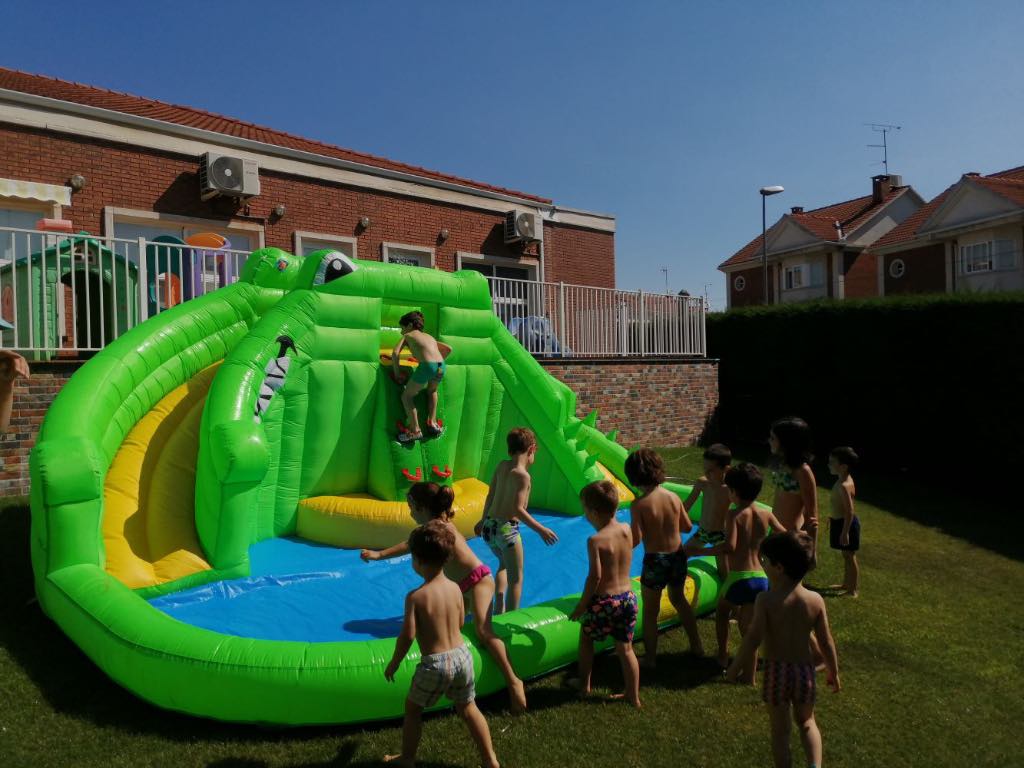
[[613, 615], [788, 681], [474, 577], [662, 569], [710, 538], [500, 535], [449, 673], [743, 587], [428, 372]]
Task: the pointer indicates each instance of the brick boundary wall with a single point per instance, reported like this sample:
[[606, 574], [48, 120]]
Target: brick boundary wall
[[650, 402]]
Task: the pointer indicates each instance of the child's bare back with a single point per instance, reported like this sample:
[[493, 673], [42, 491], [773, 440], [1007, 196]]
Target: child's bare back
[[660, 517], [751, 525], [439, 613], [508, 484], [613, 546], [424, 347], [790, 617]]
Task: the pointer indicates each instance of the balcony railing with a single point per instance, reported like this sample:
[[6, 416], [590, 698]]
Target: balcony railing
[[70, 294]]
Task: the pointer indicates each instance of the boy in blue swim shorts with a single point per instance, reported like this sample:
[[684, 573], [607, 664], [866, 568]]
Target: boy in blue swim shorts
[[746, 526], [607, 606], [430, 353]]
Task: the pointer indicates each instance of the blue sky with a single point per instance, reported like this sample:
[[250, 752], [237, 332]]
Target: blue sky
[[669, 115]]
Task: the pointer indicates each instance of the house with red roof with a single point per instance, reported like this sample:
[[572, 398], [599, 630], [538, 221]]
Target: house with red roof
[[825, 252], [969, 238], [124, 166]]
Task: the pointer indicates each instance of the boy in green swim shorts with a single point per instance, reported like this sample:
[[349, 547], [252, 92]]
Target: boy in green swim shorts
[[746, 526], [428, 374]]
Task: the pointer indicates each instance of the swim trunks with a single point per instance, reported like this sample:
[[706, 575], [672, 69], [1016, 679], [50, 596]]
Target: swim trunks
[[474, 577], [742, 587], [449, 673], [428, 372], [835, 531], [500, 535], [613, 615], [788, 681], [710, 538], [662, 569]]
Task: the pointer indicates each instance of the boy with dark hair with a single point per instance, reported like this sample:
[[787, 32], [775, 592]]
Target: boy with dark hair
[[608, 604], [843, 524], [745, 528], [783, 618], [657, 517], [715, 507], [430, 353], [506, 505], [434, 615]]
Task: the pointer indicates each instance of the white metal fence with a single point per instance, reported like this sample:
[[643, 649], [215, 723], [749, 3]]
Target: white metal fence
[[67, 294]]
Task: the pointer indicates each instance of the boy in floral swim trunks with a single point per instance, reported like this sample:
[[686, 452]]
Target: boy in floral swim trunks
[[783, 619], [745, 528], [507, 500], [715, 507], [434, 615], [657, 517], [608, 604]]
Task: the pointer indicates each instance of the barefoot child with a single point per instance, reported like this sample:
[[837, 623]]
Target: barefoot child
[[657, 517], [796, 492], [843, 524], [715, 507], [430, 501], [431, 354], [745, 528], [434, 616], [783, 618], [608, 604], [505, 506]]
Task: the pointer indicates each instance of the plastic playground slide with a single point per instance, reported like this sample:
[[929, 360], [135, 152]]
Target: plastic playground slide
[[201, 487]]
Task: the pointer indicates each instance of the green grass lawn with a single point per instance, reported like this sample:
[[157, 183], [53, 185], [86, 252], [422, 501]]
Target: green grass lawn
[[930, 659]]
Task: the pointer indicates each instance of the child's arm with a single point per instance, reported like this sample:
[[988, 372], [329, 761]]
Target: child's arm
[[487, 503], [698, 489], [727, 547], [828, 648], [751, 641], [444, 349], [593, 579], [401, 548], [12, 366], [809, 496], [404, 640], [846, 507], [634, 526], [773, 523], [521, 513], [396, 358], [685, 523]]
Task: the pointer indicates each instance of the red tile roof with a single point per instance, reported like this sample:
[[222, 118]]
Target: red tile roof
[[1009, 184], [92, 96], [820, 222]]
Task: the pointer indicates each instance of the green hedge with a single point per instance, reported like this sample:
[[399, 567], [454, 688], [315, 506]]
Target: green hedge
[[911, 383]]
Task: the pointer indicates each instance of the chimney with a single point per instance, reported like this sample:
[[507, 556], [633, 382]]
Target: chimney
[[797, 209], [880, 187]]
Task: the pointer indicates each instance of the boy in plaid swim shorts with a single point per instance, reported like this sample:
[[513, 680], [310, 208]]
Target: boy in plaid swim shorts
[[434, 615], [784, 617], [607, 605]]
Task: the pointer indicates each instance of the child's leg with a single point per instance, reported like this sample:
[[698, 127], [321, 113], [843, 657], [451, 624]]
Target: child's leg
[[652, 604], [500, 587], [408, 400], [432, 403], [514, 566], [478, 729], [745, 618], [851, 573], [722, 631], [411, 728], [722, 564], [803, 716], [630, 672], [677, 596], [778, 716], [586, 662], [481, 596]]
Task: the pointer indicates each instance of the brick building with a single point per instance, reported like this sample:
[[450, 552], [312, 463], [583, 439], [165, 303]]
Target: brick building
[[969, 238], [822, 253]]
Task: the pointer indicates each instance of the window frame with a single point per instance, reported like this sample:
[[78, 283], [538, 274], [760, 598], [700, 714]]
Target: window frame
[[386, 249], [897, 268], [788, 272], [347, 245], [113, 215], [739, 283]]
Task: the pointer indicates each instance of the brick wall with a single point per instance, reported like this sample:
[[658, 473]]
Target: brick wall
[[650, 402], [861, 274], [149, 180], [925, 271], [753, 292]]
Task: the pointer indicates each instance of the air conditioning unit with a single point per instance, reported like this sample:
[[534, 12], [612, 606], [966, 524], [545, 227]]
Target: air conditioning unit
[[523, 227], [228, 176]]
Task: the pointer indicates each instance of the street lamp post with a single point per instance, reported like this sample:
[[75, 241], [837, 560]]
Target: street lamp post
[[765, 191]]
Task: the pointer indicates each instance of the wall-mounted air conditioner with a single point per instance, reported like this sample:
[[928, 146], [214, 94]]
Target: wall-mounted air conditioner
[[523, 227], [228, 176]]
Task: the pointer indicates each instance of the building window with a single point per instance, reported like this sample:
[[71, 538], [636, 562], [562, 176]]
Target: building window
[[409, 255], [897, 268], [989, 256], [739, 283], [794, 278], [17, 245], [308, 242]]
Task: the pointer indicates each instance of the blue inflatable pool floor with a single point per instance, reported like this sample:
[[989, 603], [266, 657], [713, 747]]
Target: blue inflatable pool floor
[[298, 590]]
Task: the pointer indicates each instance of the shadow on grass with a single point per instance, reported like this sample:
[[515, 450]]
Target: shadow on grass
[[344, 758], [680, 671]]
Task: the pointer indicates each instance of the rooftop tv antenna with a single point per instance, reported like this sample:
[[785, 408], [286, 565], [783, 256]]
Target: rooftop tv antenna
[[664, 271], [883, 128]]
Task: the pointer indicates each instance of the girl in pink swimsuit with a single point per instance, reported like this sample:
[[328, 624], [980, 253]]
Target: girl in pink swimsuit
[[430, 501]]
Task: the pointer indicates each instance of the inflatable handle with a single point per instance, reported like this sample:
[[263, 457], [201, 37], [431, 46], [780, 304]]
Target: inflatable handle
[[445, 473], [414, 478]]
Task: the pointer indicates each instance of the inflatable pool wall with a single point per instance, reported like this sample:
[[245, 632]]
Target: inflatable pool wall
[[158, 465]]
